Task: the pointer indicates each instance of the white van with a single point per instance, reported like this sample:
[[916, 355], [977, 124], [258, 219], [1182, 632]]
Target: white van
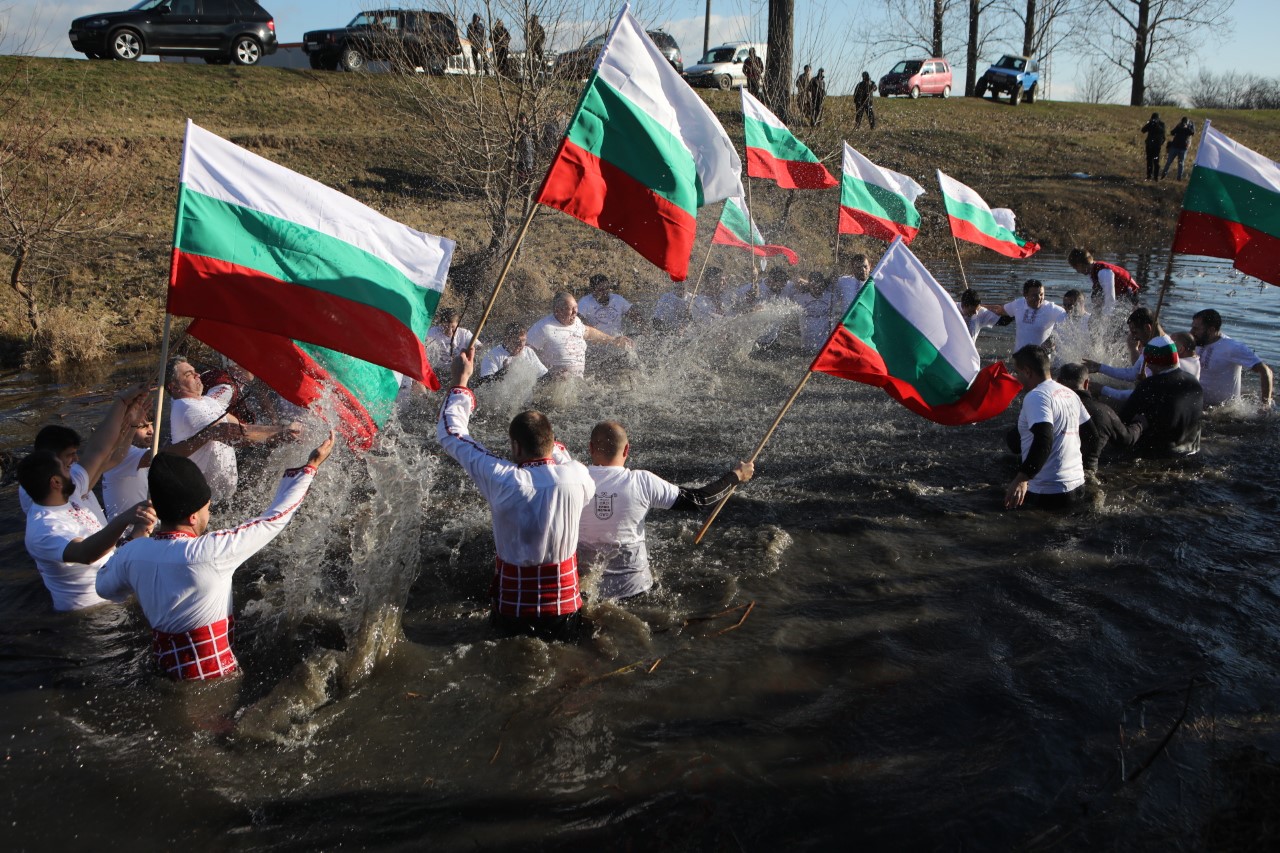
[[721, 68]]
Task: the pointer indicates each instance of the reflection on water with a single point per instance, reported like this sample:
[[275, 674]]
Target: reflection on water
[[865, 649]]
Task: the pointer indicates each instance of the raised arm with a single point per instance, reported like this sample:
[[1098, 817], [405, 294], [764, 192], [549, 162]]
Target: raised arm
[[453, 425], [95, 454], [91, 548]]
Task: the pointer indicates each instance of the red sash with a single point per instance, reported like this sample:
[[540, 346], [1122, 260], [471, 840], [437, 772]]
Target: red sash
[[196, 655], [548, 590]]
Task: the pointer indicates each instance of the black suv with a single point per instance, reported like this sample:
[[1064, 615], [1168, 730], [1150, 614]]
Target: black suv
[[406, 39], [221, 31], [578, 63]]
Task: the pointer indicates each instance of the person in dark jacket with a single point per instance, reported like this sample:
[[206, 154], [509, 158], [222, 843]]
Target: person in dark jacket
[[1115, 437], [817, 94], [864, 102], [501, 46], [475, 35], [802, 91], [1154, 129], [1168, 404], [1179, 142], [753, 70]]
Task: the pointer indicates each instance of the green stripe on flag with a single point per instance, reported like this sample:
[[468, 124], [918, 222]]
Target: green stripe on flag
[[876, 200], [982, 220], [615, 130], [299, 255], [908, 355], [735, 220], [778, 141], [1233, 198], [375, 387]]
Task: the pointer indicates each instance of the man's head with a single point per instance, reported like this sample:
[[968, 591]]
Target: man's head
[[1031, 365], [776, 279], [866, 75], [42, 475], [608, 445], [179, 492], [1142, 325], [822, 72], [1074, 376], [514, 337], [1160, 353], [1073, 301], [1206, 326], [183, 381], [816, 284], [970, 302], [447, 320], [1185, 343], [751, 52], [806, 68], [599, 287], [1080, 260], [564, 308], [1155, 116], [1033, 292], [62, 441], [860, 267], [531, 436]]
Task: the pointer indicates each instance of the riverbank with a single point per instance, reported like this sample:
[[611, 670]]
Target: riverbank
[[1070, 171]]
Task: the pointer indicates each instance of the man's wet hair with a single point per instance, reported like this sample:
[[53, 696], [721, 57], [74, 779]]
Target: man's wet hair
[[531, 431], [171, 374], [1142, 317], [608, 438], [1079, 256], [56, 438], [1032, 358], [1073, 293], [445, 316], [859, 258], [562, 297], [514, 329], [597, 280], [35, 470], [970, 299], [1185, 343], [1030, 285], [1209, 317], [1073, 375]]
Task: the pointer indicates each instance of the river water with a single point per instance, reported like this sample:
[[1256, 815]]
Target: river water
[[865, 652]]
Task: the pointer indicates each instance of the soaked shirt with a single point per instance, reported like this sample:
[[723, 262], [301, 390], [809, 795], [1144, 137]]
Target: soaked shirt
[[612, 530], [50, 529], [125, 485], [1220, 364], [1033, 325], [560, 346], [606, 318], [215, 459], [83, 494], [1058, 406]]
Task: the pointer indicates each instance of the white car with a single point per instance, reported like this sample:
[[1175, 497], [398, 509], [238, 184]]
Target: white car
[[721, 68]]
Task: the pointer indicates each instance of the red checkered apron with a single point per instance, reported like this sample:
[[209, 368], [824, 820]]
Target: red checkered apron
[[548, 590], [199, 654]]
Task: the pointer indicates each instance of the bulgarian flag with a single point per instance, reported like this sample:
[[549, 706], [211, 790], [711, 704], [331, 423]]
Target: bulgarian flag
[[904, 333], [300, 284], [974, 222], [737, 228], [877, 202], [1232, 207], [774, 152], [642, 153]]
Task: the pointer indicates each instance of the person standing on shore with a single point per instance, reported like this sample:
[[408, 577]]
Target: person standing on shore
[[475, 35], [802, 91], [501, 40], [864, 101], [817, 94], [1179, 142], [753, 69], [1154, 129]]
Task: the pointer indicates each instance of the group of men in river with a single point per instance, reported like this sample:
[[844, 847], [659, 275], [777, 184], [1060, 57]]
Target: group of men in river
[[553, 516]]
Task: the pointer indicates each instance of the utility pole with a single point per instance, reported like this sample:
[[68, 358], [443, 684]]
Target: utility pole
[[706, 31]]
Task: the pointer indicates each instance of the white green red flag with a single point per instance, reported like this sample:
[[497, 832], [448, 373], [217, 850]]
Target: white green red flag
[[775, 153], [301, 285], [904, 333], [974, 222], [737, 228], [642, 153], [877, 202], [1232, 207]]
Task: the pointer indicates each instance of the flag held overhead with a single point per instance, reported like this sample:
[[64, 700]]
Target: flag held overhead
[[974, 222], [775, 153], [875, 201]]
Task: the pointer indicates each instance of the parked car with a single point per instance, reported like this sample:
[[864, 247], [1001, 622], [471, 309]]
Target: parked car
[[577, 63], [221, 31], [405, 38], [1016, 76], [916, 77], [721, 68]]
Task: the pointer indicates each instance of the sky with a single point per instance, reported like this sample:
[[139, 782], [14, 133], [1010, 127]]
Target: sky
[[825, 33]]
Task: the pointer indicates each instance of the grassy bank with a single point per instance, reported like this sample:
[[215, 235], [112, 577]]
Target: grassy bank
[[1070, 171]]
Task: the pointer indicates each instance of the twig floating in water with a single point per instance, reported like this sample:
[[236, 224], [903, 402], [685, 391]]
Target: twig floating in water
[[738, 624]]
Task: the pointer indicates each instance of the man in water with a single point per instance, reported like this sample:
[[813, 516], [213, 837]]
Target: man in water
[[604, 309], [847, 286], [513, 350], [672, 312], [977, 316], [1115, 437], [182, 575], [1055, 435], [536, 500], [1142, 328], [1034, 319], [561, 338], [612, 532], [1168, 404], [1221, 359], [1109, 281], [445, 339]]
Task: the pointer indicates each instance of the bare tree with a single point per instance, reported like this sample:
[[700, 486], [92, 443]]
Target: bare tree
[[973, 49], [1151, 34], [1099, 84], [917, 26], [777, 73]]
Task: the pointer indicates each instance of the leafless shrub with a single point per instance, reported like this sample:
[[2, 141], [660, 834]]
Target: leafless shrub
[[68, 336], [1099, 84], [1232, 90]]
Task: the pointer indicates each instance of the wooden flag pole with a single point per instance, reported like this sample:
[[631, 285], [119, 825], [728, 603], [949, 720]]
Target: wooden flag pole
[[702, 271], [759, 448], [960, 262], [1164, 286], [751, 235], [502, 277], [164, 367]]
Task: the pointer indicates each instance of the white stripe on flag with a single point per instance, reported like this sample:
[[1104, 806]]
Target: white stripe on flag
[[857, 166], [1223, 154], [959, 192], [752, 108]]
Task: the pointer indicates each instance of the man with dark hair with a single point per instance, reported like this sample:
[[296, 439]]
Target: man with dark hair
[[1109, 281], [445, 339], [1179, 142], [501, 40], [1221, 360], [182, 575], [1034, 318], [1055, 434], [1143, 327], [802, 91], [536, 500], [977, 316], [673, 310], [612, 532], [513, 350], [475, 35], [817, 94], [604, 309], [1114, 435], [864, 101], [535, 42], [1168, 404], [1154, 129], [753, 70], [847, 286], [66, 539]]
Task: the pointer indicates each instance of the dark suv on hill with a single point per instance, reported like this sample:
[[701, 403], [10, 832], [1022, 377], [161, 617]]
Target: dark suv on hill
[[221, 31], [405, 38]]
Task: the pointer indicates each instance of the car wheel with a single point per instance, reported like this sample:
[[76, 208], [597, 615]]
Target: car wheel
[[915, 92], [246, 51], [351, 59], [946, 92], [724, 83], [980, 90], [1015, 97], [1031, 94], [126, 45]]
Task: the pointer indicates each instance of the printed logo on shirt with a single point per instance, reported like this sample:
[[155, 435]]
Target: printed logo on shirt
[[604, 505], [1029, 315]]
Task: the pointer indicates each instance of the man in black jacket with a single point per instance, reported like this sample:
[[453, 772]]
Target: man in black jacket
[[1114, 435], [1168, 404], [1154, 129]]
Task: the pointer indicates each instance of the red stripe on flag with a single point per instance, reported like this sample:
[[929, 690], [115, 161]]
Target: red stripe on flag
[[605, 197], [725, 237], [289, 372], [990, 393], [229, 293], [1255, 253], [790, 174], [965, 230], [854, 221]]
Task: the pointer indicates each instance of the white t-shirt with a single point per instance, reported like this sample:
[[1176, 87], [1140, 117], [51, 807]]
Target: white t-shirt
[[983, 318], [1220, 364], [49, 530], [671, 310], [847, 288], [1033, 325], [707, 309], [1191, 364], [612, 528], [126, 484], [1058, 405], [815, 320], [606, 318], [216, 460], [83, 494], [560, 346], [498, 357], [441, 348]]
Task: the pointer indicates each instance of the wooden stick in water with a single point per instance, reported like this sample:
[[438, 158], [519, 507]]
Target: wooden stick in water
[[1164, 286], [164, 367]]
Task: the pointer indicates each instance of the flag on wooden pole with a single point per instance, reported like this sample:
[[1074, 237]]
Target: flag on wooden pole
[[877, 202], [737, 228], [974, 222]]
